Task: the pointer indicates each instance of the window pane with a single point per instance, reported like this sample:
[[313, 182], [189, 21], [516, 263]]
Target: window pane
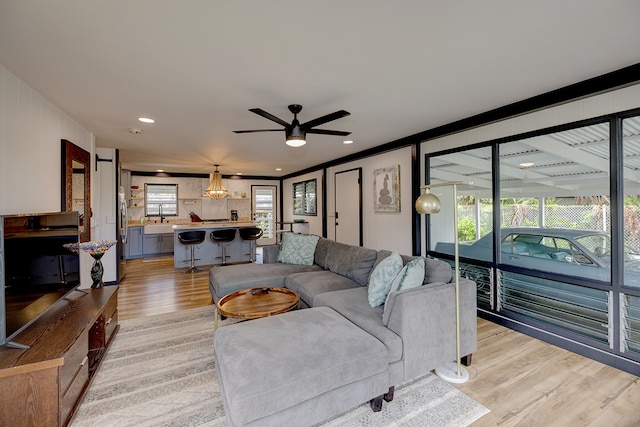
[[304, 198], [631, 188], [631, 325], [161, 199], [310, 197], [578, 309], [555, 204], [474, 204]]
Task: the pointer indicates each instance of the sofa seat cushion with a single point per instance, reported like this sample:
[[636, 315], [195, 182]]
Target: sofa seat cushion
[[269, 367], [309, 284], [354, 305], [231, 278]]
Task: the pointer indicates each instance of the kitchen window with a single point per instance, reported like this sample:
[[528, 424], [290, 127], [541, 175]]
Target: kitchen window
[[161, 200]]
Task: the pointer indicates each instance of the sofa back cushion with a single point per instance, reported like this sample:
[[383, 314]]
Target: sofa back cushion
[[322, 248], [437, 271], [353, 262]]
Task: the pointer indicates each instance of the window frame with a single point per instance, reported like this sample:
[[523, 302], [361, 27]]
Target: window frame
[[150, 209], [305, 197]]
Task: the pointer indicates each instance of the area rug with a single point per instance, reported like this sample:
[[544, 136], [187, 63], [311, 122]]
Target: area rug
[[160, 371]]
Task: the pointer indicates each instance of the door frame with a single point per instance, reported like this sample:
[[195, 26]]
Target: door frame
[[360, 213], [275, 206]]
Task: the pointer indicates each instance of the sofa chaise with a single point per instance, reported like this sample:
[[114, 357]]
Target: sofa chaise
[[350, 345]]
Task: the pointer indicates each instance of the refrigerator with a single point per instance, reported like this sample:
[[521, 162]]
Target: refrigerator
[[122, 231], [110, 214]]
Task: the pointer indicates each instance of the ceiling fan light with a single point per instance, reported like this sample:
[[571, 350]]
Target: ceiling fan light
[[295, 141], [296, 136], [216, 190]]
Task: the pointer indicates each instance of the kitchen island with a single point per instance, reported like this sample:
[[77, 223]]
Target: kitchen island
[[210, 252]]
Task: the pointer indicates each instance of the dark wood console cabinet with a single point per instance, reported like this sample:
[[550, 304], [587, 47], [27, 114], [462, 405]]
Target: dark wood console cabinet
[[44, 384]]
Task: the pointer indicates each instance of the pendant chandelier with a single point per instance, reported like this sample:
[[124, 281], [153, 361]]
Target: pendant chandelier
[[216, 190]]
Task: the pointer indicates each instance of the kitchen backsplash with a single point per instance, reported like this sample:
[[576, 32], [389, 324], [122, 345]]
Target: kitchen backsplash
[[190, 198]]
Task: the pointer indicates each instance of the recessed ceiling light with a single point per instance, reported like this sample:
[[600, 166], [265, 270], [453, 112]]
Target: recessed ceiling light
[[527, 164], [278, 169], [159, 170], [347, 142], [238, 173], [146, 120]]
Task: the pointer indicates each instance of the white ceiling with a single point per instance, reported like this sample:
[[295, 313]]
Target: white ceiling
[[399, 67]]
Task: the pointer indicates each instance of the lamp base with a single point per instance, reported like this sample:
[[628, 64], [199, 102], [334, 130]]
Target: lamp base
[[449, 373]]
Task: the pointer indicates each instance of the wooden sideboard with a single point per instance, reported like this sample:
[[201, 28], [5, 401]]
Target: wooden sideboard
[[44, 384]]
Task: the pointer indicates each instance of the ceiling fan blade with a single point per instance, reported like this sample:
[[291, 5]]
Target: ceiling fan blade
[[258, 130], [261, 112], [324, 119], [328, 132]]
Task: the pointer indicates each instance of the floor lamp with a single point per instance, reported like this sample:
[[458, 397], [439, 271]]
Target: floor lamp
[[429, 203]]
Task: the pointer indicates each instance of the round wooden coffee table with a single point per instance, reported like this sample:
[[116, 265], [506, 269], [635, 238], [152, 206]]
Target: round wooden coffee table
[[256, 302]]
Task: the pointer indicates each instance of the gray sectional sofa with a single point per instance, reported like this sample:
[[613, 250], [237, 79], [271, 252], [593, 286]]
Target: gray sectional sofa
[[339, 352]]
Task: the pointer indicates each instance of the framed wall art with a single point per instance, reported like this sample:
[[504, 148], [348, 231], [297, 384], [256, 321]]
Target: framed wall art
[[386, 189]]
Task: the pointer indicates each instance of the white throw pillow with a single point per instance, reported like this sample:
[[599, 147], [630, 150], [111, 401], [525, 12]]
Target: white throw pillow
[[382, 277], [411, 276]]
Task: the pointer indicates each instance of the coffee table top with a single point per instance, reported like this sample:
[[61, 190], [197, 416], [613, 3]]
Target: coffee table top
[[257, 302]]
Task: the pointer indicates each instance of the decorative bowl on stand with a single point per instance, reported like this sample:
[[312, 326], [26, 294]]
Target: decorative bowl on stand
[[96, 249]]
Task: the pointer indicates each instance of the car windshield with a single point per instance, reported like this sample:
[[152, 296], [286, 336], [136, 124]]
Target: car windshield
[[600, 246]]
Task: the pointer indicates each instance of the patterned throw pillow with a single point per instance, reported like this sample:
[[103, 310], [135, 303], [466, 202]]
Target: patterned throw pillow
[[411, 276], [382, 277], [297, 249]]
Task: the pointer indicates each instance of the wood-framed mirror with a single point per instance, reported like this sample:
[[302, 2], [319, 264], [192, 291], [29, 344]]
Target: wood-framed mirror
[[76, 185]]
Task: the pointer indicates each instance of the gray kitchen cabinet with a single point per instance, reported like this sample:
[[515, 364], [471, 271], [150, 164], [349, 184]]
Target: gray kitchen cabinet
[[133, 247], [155, 244]]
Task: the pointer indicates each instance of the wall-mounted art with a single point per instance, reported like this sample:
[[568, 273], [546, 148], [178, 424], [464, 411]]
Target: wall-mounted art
[[386, 189]]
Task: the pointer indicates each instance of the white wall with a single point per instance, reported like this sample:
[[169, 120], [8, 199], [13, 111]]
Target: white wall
[[315, 221], [594, 106], [31, 128], [382, 230]]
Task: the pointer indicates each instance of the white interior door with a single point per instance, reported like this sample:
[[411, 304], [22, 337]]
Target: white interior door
[[263, 206], [348, 217]]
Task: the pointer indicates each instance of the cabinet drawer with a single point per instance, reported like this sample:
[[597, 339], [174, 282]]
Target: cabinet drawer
[[111, 307], [110, 325], [74, 360], [70, 398]]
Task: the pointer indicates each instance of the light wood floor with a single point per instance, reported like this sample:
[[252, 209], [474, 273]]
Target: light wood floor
[[523, 381]]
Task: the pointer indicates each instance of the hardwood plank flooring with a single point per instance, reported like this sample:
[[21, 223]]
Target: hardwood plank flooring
[[523, 381]]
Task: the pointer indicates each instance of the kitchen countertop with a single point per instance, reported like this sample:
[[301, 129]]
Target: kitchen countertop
[[215, 224]]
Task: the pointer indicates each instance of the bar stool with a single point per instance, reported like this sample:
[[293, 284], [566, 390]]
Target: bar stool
[[251, 234], [192, 238], [222, 237]]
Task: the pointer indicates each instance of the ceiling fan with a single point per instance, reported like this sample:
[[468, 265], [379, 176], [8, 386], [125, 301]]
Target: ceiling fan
[[296, 133]]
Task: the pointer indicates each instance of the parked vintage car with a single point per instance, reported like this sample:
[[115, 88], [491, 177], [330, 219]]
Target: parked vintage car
[[579, 308], [573, 252]]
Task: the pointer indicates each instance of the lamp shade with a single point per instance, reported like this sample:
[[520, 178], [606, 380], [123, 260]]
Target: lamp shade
[[428, 203], [216, 190], [296, 137]]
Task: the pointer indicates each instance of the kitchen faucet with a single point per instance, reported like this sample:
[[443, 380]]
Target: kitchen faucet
[[160, 211]]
